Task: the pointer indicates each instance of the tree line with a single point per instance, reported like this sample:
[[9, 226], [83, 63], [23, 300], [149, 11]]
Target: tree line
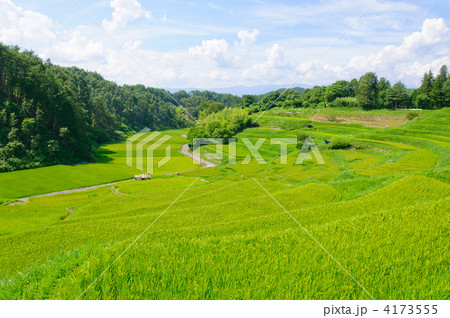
[[369, 92]]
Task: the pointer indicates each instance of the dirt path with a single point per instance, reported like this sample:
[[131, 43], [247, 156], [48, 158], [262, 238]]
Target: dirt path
[[206, 164], [26, 199]]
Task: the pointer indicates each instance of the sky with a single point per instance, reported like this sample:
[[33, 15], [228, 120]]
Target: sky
[[218, 44]]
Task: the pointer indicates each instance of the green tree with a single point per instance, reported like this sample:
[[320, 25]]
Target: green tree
[[446, 90], [396, 96], [348, 87], [367, 91], [247, 101], [334, 91], [427, 83], [354, 83], [437, 94], [313, 97], [210, 107], [383, 87], [28, 126]]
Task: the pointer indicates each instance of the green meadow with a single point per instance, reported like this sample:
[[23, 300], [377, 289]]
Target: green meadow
[[379, 206]]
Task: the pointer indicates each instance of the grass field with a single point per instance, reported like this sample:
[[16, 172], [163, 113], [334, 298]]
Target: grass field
[[380, 208]]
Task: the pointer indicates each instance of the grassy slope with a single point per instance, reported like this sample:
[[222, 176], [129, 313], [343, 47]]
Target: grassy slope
[[386, 222]]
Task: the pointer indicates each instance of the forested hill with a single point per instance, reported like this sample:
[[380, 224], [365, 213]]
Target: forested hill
[[51, 114]]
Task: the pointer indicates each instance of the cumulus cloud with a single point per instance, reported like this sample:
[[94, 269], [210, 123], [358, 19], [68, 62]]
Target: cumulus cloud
[[275, 56], [273, 69], [247, 37], [215, 49], [77, 48], [417, 53], [124, 11], [23, 27]]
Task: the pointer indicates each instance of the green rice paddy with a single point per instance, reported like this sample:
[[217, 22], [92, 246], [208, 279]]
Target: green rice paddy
[[380, 208]]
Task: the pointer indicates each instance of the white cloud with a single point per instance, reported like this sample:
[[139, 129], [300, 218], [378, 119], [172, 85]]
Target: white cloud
[[132, 45], [23, 27], [418, 52], [164, 18], [273, 70], [215, 49], [77, 48], [275, 56], [247, 37], [124, 11]]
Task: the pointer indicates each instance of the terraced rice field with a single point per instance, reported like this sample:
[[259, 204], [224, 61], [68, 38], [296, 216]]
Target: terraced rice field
[[381, 211]]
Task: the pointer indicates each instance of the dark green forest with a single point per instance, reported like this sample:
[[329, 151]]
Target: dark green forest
[[59, 115]]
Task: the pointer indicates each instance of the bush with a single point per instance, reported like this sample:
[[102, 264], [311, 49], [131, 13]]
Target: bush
[[411, 115], [301, 137], [340, 143], [344, 102]]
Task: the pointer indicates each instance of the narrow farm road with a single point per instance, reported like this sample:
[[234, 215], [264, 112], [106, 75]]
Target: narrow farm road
[[66, 191], [206, 164]]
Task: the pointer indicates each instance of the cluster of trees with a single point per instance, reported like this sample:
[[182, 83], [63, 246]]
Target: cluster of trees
[[192, 100], [369, 92], [219, 123], [434, 93], [52, 115]]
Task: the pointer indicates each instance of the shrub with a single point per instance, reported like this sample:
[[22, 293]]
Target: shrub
[[411, 115], [344, 102], [300, 139], [340, 143]]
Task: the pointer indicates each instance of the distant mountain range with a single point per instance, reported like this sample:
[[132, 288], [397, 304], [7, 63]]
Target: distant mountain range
[[242, 90]]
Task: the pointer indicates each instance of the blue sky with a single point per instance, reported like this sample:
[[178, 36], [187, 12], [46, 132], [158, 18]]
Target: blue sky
[[210, 44]]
